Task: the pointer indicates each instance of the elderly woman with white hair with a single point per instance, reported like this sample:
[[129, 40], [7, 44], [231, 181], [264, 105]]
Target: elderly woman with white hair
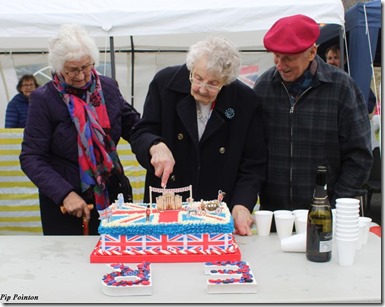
[[74, 124], [203, 127]]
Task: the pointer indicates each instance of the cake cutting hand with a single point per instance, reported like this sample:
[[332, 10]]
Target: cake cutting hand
[[163, 162]]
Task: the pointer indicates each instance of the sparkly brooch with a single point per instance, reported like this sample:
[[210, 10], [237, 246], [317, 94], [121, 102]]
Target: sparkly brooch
[[229, 113]]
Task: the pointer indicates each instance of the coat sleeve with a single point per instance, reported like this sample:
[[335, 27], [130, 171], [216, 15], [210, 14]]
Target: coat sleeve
[[148, 129], [355, 143], [35, 159]]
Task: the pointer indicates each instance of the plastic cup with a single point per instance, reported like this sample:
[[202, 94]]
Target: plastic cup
[[263, 219], [300, 223], [367, 221], [346, 251], [298, 212], [347, 203], [284, 224], [294, 243], [279, 212], [348, 220], [361, 229], [348, 212]]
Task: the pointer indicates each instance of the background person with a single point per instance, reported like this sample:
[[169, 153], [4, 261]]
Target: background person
[[203, 127], [17, 109], [314, 115], [75, 122], [332, 56]]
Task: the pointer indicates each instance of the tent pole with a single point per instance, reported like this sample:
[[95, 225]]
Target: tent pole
[[342, 49], [112, 56], [132, 69]]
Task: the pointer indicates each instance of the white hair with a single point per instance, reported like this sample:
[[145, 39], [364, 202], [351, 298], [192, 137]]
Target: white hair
[[223, 58], [72, 43]]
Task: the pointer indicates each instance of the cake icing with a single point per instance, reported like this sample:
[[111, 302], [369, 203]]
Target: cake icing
[[167, 227]]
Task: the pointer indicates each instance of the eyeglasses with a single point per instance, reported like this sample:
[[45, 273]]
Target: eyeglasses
[[28, 85], [209, 87], [85, 69]]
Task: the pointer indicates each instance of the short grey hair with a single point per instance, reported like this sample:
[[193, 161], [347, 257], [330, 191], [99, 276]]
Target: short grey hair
[[71, 43], [223, 58]]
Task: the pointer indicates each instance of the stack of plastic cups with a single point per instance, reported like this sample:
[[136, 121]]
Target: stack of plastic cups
[[347, 230]]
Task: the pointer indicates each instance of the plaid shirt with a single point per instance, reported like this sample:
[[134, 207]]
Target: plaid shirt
[[327, 125]]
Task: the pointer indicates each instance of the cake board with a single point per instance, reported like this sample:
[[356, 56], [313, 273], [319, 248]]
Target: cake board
[[95, 257]]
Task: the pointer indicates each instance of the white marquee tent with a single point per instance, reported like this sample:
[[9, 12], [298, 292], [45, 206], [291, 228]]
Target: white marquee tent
[[138, 27], [25, 25]]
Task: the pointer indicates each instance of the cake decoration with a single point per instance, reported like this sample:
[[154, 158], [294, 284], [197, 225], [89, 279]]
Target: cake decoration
[[127, 281], [230, 277], [169, 227]]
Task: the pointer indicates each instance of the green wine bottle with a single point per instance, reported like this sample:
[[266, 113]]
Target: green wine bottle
[[319, 222]]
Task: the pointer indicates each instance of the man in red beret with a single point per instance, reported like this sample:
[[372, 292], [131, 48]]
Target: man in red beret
[[314, 115]]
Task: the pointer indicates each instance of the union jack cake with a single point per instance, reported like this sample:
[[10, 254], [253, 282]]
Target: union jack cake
[[166, 231]]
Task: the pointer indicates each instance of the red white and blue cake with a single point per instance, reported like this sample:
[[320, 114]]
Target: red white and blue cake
[[169, 230]]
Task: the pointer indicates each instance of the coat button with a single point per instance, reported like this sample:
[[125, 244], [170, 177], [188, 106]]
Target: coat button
[[172, 177], [180, 136], [222, 150]]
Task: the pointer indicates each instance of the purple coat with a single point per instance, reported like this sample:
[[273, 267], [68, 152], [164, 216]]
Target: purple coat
[[49, 154]]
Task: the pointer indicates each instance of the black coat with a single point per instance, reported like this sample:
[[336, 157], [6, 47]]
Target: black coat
[[231, 155]]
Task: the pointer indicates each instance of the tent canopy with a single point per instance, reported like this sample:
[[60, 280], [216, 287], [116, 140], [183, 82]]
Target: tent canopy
[[363, 31], [169, 24]]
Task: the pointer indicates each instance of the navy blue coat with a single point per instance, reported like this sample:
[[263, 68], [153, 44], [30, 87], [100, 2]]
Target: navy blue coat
[[17, 111], [231, 155], [49, 154]]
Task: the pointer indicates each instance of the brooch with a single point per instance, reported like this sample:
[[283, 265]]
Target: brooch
[[229, 113]]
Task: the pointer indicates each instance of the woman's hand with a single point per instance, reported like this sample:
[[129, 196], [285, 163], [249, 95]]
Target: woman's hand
[[163, 162], [242, 220], [75, 205]]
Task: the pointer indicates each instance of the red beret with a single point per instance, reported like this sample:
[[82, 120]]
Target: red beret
[[291, 35]]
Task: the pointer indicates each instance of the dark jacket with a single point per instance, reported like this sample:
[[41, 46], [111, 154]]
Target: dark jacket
[[328, 125], [17, 111], [49, 154], [231, 154]]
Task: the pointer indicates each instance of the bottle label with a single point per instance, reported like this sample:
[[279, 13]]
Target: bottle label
[[325, 246]]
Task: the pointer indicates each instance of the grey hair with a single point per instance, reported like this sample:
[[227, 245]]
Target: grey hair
[[223, 58], [72, 43]]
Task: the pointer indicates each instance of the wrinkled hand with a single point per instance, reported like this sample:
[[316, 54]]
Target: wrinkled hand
[[75, 205], [163, 162], [242, 220]]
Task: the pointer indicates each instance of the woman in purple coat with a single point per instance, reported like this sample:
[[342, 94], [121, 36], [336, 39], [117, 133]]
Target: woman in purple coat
[[74, 124], [203, 127]]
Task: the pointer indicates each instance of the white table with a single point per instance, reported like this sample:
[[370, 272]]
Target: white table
[[57, 270]]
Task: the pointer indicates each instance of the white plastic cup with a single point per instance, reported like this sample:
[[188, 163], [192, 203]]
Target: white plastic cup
[[348, 213], [367, 221], [263, 219], [347, 221], [284, 225], [295, 243], [347, 203], [298, 212], [300, 222], [346, 251], [279, 212]]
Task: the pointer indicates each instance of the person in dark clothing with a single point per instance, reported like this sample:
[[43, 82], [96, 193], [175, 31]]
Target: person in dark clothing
[[314, 114], [203, 127], [74, 124], [332, 56], [17, 109]]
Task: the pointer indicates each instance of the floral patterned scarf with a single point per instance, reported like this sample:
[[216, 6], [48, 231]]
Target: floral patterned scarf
[[97, 154]]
